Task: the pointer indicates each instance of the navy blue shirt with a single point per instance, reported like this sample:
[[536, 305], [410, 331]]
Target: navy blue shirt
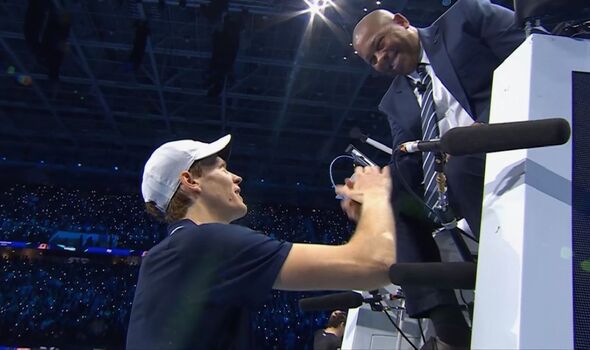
[[199, 287]]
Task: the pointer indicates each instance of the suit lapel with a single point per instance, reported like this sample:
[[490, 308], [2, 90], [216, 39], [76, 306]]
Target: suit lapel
[[400, 101], [435, 47]]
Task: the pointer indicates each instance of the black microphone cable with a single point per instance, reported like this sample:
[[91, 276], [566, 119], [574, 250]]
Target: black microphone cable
[[396, 154], [397, 327], [421, 330]]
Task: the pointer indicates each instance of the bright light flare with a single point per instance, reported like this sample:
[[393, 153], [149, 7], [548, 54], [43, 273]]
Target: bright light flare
[[317, 7]]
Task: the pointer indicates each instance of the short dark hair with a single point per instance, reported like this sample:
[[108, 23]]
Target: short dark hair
[[336, 318], [180, 202]]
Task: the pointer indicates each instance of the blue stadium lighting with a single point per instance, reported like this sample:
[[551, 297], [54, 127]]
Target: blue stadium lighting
[[116, 168], [79, 164]]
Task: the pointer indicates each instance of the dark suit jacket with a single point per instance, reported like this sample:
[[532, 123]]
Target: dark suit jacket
[[464, 46]]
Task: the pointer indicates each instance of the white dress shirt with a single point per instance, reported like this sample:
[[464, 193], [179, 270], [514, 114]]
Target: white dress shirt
[[449, 112]]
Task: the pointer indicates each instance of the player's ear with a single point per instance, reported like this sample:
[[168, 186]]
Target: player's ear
[[189, 182]]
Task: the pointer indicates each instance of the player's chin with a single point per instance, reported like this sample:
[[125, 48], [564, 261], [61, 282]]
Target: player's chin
[[242, 212]]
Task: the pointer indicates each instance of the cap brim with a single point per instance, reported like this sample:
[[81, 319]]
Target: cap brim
[[222, 147]]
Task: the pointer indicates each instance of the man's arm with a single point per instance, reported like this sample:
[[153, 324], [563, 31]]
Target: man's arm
[[362, 263]]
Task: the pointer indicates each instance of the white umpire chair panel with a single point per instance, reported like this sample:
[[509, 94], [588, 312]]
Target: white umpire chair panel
[[525, 288]]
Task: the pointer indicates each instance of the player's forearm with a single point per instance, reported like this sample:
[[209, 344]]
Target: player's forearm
[[373, 242]]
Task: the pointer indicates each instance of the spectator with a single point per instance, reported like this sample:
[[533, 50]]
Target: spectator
[[330, 338]]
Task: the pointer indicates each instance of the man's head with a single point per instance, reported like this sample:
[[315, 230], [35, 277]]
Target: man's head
[[387, 42], [189, 178], [336, 322]]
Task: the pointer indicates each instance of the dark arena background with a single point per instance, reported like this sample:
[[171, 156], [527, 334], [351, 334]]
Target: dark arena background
[[89, 88]]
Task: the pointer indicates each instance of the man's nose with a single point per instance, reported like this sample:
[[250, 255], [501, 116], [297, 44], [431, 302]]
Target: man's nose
[[382, 60]]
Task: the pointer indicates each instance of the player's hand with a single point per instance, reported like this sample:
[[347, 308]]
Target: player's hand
[[368, 181]]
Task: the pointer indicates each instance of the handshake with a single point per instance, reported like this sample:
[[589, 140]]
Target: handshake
[[367, 183]]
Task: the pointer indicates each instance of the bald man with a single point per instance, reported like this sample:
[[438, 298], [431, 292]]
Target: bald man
[[449, 67]]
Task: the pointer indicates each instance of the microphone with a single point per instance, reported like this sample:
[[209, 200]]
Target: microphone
[[356, 133], [336, 301], [496, 137], [358, 157], [420, 86], [343, 300], [452, 275], [421, 146]]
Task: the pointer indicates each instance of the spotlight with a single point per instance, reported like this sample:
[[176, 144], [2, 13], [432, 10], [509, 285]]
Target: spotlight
[[318, 6]]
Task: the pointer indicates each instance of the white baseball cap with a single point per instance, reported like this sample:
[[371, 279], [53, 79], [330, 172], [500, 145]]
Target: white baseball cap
[[161, 174]]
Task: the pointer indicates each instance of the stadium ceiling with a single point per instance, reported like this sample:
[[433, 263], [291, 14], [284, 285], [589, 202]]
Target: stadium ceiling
[[134, 74]]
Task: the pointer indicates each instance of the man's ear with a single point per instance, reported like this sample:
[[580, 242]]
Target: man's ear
[[399, 19], [189, 182]]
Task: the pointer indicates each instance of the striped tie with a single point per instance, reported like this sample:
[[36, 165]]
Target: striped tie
[[429, 132]]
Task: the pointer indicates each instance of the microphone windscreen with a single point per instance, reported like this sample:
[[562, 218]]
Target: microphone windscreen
[[337, 301], [356, 133], [452, 275], [489, 138]]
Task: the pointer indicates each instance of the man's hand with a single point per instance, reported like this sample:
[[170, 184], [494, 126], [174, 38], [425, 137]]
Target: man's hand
[[350, 207], [367, 181]]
